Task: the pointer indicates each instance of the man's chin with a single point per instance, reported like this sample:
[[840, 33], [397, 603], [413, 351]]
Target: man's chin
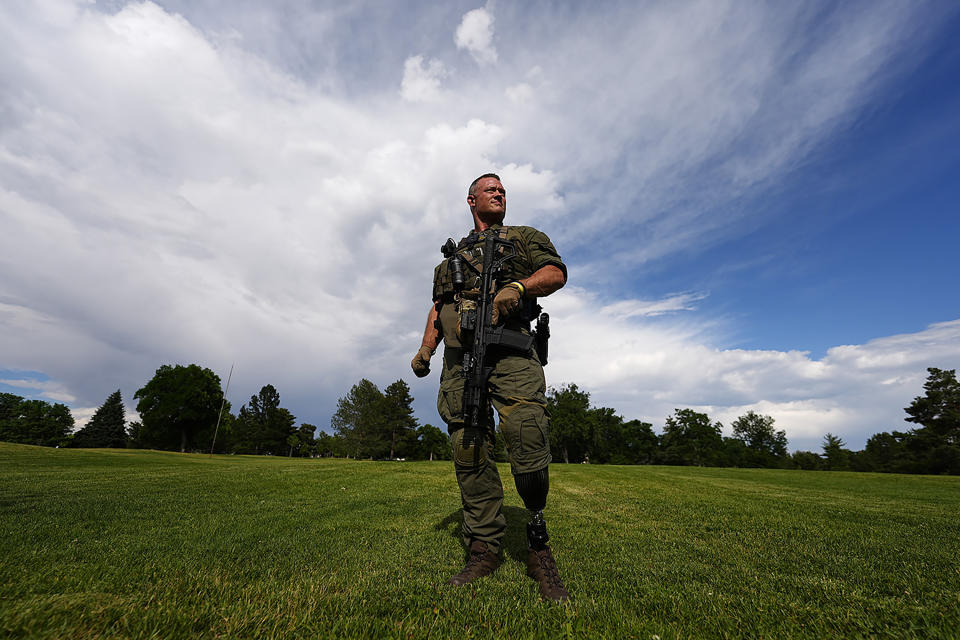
[[492, 217]]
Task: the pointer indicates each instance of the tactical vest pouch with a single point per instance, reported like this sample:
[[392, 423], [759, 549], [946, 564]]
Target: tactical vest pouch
[[466, 302], [449, 320]]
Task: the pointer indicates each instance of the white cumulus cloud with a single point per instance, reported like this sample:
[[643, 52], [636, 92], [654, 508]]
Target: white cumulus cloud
[[421, 82], [475, 34], [169, 196], [645, 369]]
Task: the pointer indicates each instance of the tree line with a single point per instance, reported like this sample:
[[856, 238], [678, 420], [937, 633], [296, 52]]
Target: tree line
[[183, 408], [582, 433]]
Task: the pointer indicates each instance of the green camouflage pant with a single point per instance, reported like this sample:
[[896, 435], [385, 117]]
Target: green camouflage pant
[[517, 391]]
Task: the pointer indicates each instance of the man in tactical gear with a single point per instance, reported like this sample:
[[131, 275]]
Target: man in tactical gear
[[515, 386]]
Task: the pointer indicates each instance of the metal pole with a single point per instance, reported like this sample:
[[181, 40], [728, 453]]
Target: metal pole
[[222, 403]]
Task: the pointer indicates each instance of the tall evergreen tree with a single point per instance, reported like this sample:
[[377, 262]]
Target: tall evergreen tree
[[359, 421], [307, 441], [836, 457], [398, 421], [107, 427], [263, 426], [934, 447], [939, 408]]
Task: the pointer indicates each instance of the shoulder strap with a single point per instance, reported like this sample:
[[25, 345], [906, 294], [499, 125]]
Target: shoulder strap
[[465, 248]]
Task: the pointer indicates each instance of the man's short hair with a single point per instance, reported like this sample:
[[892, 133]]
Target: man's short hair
[[473, 185]]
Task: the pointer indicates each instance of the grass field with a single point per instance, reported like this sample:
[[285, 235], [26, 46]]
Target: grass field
[[111, 543]]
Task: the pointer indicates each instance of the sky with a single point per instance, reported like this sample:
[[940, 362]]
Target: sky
[[756, 201]]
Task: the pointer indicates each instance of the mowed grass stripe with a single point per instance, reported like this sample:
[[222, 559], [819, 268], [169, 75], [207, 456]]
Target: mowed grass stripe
[[99, 543]]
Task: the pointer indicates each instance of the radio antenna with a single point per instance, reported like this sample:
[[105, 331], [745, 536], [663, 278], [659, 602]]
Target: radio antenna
[[222, 403]]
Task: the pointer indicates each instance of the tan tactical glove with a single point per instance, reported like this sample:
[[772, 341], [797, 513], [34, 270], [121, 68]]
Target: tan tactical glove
[[421, 362], [507, 301]]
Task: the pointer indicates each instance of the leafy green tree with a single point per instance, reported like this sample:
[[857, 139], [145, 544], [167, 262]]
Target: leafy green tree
[[398, 419], [135, 434], [571, 436], [608, 443], [807, 460], [885, 452], [499, 452], [359, 421], [579, 432], [766, 447], [293, 442], [224, 434], [178, 408], [689, 438], [107, 427], [330, 445], [9, 410], [836, 457], [640, 442], [307, 442], [11, 416], [735, 453], [859, 461], [34, 421], [434, 444]]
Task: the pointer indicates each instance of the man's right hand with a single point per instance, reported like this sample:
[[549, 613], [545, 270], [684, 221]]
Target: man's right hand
[[507, 301], [421, 362]]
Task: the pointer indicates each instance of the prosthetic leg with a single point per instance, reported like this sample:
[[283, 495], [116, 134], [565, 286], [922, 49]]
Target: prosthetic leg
[[541, 566]]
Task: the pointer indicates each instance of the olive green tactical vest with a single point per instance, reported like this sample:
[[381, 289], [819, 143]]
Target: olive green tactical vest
[[534, 250]]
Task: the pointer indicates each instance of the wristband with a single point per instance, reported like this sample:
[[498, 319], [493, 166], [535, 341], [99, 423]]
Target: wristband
[[520, 287]]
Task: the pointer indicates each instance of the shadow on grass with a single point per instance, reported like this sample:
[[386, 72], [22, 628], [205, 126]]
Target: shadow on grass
[[514, 542]]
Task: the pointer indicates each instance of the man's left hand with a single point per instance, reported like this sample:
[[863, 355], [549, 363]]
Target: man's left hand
[[507, 301], [421, 362]]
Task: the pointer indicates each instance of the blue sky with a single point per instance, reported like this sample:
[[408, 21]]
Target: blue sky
[[865, 234], [858, 240], [756, 201]]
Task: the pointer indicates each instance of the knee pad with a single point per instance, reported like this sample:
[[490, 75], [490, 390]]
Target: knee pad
[[469, 447], [533, 488]]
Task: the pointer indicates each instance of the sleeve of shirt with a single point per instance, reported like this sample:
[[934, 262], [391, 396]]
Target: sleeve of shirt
[[542, 252], [437, 285]]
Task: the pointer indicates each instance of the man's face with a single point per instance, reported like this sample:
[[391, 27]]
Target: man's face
[[489, 200]]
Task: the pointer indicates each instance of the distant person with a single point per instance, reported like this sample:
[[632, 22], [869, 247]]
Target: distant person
[[516, 388]]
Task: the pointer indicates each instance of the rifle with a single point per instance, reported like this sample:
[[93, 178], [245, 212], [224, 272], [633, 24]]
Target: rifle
[[496, 252]]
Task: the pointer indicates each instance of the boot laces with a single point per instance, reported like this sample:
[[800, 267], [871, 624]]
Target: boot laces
[[549, 567], [475, 559]]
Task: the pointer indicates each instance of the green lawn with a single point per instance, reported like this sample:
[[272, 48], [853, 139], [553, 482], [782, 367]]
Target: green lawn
[[111, 543]]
